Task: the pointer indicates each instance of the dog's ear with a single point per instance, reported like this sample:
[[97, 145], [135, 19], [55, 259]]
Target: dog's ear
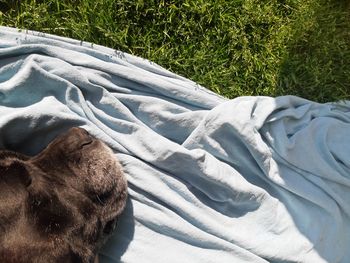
[[49, 214], [14, 173]]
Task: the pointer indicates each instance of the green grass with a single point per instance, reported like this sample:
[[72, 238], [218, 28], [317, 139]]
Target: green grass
[[233, 47]]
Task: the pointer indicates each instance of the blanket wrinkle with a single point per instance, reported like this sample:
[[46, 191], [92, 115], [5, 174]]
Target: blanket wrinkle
[[253, 179]]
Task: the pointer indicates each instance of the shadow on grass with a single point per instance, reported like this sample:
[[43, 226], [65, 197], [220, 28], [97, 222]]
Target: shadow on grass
[[317, 64]]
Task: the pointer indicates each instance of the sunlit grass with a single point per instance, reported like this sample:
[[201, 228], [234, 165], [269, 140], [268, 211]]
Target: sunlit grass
[[233, 47]]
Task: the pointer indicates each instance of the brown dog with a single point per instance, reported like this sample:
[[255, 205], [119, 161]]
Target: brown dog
[[61, 205]]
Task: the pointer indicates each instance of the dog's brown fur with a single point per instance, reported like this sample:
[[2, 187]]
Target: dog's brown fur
[[61, 205]]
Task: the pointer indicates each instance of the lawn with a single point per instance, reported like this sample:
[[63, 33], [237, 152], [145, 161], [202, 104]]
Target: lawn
[[233, 47]]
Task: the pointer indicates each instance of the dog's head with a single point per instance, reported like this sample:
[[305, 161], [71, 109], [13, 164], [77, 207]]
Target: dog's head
[[61, 205]]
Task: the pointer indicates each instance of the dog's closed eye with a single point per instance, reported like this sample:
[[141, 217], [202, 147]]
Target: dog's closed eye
[[85, 144], [77, 147]]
